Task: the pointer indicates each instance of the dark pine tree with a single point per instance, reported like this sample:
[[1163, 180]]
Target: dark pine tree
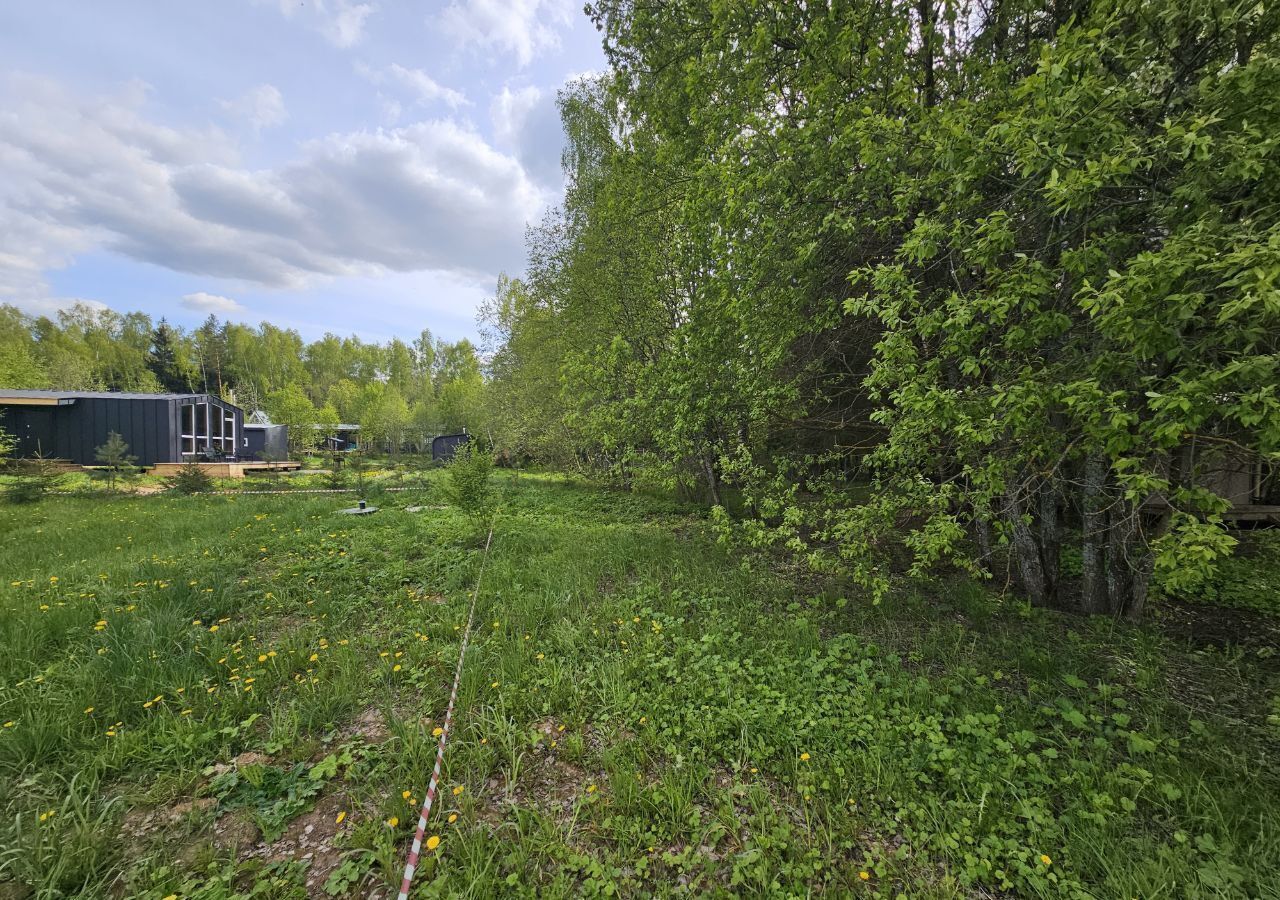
[[165, 359]]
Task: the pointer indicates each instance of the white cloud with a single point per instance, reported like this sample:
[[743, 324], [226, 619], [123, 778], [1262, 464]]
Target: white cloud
[[96, 174], [426, 88], [524, 28], [262, 106], [527, 122], [340, 21], [211, 303]]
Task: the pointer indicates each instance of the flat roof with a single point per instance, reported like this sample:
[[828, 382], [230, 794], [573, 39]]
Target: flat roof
[[5, 393]]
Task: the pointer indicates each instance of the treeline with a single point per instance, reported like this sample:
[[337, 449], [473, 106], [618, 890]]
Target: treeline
[[399, 393], [995, 282]]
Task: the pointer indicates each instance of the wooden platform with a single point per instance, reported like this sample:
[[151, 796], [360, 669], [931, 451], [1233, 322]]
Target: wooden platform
[[228, 469]]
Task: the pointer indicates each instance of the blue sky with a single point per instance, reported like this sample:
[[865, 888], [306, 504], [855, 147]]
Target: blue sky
[[355, 166]]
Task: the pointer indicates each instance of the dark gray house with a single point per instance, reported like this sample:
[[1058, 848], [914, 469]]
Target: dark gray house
[[446, 445], [159, 428], [265, 441]]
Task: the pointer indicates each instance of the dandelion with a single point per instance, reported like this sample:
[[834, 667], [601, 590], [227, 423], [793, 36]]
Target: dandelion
[[342, 815], [453, 817], [87, 710], [393, 822], [186, 712], [804, 757], [396, 667], [542, 656], [313, 657], [175, 896], [262, 657], [406, 794], [46, 816], [1045, 859], [494, 685], [436, 732], [433, 842], [459, 789], [864, 875], [591, 789], [644, 719]]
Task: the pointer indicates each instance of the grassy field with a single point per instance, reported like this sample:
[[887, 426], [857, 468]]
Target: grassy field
[[236, 697]]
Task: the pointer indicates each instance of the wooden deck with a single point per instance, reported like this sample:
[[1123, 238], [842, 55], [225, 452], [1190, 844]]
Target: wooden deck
[[229, 469]]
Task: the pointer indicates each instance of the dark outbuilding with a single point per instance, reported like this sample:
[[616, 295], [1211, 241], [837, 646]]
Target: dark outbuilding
[[446, 445], [159, 428]]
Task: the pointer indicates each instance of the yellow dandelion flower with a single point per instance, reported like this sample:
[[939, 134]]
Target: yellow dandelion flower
[[342, 815], [262, 657], [495, 684], [433, 842], [1045, 859], [406, 794], [87, 710], [396, 667], [459, 789], [436, 732], [864, 875], [804, 757], [591, 789], [393, 821], [453, 817]]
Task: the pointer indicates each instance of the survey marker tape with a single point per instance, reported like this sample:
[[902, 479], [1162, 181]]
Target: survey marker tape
[[412, 865]]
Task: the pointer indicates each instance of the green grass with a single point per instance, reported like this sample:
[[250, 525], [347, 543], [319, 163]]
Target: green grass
[[642, 712]]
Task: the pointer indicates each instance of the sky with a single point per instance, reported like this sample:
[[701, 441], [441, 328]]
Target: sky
[[362, 167]]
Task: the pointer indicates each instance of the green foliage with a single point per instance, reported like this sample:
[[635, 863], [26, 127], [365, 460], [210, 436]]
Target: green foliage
[[1248, 580], [33, 478], [273, 795], [952, 738], [191, 478], [115, 459], [468, 484]]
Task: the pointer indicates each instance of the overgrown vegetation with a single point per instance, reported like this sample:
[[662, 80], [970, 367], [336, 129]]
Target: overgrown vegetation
[[189, 684], [1011, 265], [469, 487]]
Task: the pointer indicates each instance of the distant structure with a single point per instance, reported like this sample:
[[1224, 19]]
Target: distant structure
[[340, 437], [159, 428], [266, 441], [446, 445]]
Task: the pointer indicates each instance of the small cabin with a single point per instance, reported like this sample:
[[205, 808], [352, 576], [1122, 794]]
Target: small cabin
[[265, 441], [446, 445], [159, 428]]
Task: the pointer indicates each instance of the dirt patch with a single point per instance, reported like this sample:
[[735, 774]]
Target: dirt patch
[[370, 727], [310, 838], [251, 758], [234, 831]]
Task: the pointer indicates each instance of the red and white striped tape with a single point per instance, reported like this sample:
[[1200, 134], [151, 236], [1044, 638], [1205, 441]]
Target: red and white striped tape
[[412, 865]]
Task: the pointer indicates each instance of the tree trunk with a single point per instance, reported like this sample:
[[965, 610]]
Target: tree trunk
[[1050, 541], [1025, 550], [1095, 598], [713, 483]]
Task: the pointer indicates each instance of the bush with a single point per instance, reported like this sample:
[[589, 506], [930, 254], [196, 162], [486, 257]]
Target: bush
[[468, 482], [33, 478], [191, 479]]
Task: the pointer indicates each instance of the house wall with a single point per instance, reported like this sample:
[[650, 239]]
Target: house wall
[[444, 447], [73, 431]]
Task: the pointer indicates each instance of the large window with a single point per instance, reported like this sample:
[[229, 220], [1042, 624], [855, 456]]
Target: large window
[[207, 428]]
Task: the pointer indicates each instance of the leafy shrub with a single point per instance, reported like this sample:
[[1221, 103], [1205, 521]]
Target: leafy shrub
[[1248, 579], [33, 478], [468, 485], [191, 479]]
